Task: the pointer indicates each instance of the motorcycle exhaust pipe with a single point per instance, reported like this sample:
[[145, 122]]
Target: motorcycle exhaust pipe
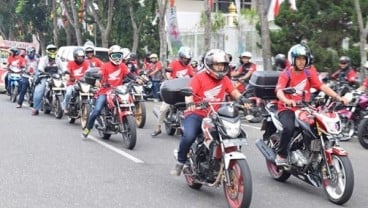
[[156, 111], [267, 152]]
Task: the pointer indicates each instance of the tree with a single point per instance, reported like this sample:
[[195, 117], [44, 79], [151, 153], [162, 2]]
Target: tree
[[363, 31], [73, 19], [162, 6], [265, 36]]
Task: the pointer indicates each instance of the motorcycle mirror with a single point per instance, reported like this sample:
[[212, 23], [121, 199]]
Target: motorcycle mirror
[[186, 91], [289, 90]]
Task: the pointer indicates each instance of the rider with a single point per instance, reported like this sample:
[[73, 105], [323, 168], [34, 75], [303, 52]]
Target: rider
[[91, 59], [14, 59], [40, 83], [75, 71], [155, 73], [113, 74], [194, 65], [212, 85], [345, 72], [244, 71], [301, 77], [281, 62], [31, 66], [178, 68]]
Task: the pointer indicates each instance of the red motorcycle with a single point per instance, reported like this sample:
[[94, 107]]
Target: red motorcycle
[[117, 117]]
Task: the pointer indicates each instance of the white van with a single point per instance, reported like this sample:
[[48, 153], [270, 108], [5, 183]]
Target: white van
[[65, 54]]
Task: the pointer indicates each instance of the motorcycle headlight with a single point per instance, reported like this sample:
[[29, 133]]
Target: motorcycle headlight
[[232, 129], [85, 87], [138, 89], [124, 98], [122, 89], [58, 83]]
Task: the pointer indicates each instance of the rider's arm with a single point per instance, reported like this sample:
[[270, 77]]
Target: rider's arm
[[326, 89]]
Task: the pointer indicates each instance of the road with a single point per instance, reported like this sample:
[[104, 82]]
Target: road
[[45, 163]]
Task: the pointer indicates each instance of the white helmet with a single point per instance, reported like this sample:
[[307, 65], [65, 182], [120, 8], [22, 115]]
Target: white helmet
[[246, 54], [115, 54], [126, 53]]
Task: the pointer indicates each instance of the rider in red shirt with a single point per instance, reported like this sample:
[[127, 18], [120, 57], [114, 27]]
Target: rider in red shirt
[[244, 71], [16, 60], [177, 69], [301, 77], [212, 85], [75, 71], [345, 72], [91, 59], [113, 75]]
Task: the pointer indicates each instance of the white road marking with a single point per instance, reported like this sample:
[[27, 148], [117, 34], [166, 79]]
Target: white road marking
[[119, 151], [254, 127]]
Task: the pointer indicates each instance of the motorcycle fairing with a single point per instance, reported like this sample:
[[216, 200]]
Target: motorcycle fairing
[[334, 151], [233, 156]]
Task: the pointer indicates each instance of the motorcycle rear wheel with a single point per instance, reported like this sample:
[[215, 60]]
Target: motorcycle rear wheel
[[140, 114], [276, 172], [239, 193], [363, 133], [130, 132], [170, 130], [13, 94], [340, 187], [191, 182]]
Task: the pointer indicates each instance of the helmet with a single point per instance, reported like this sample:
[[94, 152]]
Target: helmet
[[153, 56], [31, 51], [78, 55], [89, 49], [366, 65], [216, 56], [51, 51], [185, 55], [280, 60], [133, 56], [14, 51], [22, 53], [115, 54], [194, 63], [246, 54], [126, 53], [344, 60], [299, 50]]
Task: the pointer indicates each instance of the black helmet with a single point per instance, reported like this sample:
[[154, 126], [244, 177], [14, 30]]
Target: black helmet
[[14, 51], [344, 60], [78, 55], [216, 56], [280, 60]]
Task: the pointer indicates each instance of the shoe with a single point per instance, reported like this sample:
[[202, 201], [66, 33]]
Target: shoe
[[177, 169], [34, 112], [19, 106], [281, 161], [85, 133], [155, 133]]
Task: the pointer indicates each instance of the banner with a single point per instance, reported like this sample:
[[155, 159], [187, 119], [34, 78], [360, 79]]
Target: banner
[[172, 28]]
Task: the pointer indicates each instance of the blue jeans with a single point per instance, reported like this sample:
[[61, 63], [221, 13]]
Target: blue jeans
[[38, 94], [156, 89], [23, 90], [68, 96], [99, 105], [192, 128]]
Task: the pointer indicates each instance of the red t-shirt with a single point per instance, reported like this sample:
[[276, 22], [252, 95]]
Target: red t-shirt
[[300, 82], [17, 61], [206, 88], [179, 70], [94, 62], [113, 75], [76, 71]]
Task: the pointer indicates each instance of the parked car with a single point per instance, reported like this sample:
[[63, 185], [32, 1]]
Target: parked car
[[65, 54]]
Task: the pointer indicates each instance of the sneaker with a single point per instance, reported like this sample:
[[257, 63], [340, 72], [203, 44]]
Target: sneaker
[[155, 133], [18, 106], [281, 161], [34, 112], [177, 169], [85, 133]]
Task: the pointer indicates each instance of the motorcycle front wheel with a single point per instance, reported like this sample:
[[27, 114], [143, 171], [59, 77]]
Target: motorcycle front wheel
[[85, 111], [339, 187], [14, 93], [239, 193], [140, 114], [58, 111], [129, 133], [363, 133]]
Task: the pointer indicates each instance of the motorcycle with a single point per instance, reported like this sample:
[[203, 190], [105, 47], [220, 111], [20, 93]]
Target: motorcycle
[[117, 117], [215, 158], [352, 114], [14, 80], [314, 153], [173, 118], [54, 93], [363, 132]]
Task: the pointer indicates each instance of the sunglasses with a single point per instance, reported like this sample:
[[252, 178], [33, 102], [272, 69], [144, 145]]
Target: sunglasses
[[116, 55]]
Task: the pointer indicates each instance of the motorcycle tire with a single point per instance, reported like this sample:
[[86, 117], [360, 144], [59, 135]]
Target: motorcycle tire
[[13, 94], [340, 187], [276, 172], [130, 132], [85, 111], [58, 111], [140, 114], [363, 133], [191, 182], [170, 130], [239, 193]]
